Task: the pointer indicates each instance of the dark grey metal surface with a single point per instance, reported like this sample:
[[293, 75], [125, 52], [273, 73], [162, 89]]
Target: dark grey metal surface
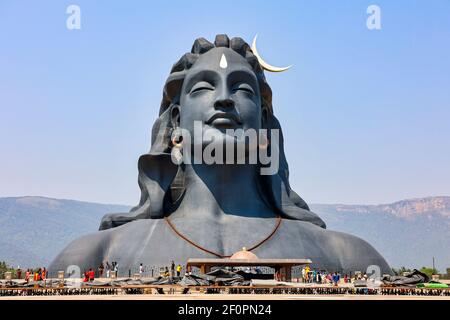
[[222, 207]]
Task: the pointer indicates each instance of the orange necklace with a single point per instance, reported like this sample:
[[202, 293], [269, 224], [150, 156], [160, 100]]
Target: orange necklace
[[178, 233]]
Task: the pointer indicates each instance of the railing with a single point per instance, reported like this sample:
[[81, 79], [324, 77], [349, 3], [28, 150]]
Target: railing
[[177, 289]]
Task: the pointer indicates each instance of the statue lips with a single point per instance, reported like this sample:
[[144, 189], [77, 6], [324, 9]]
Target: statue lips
[[224, 119]]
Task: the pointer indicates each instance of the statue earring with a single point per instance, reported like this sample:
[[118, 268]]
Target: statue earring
[[177, 147], [177, 144], [177, 186]]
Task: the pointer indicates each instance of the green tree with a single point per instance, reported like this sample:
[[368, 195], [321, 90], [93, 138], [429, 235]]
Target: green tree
[[399, 272], [429, 271], [4, 267]]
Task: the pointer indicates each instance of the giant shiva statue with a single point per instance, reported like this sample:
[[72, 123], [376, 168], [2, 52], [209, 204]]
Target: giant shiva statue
[[191, 208]]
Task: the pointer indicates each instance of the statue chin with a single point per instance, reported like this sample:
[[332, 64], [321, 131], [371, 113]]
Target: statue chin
[[220, 147]]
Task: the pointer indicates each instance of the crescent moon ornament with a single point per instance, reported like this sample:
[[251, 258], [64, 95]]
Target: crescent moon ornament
[[264, 64]]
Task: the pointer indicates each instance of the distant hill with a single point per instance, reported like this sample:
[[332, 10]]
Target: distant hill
[[34, 229], [407, 233]]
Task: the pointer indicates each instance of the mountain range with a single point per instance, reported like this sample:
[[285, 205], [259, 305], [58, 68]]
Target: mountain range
[[407, 233]]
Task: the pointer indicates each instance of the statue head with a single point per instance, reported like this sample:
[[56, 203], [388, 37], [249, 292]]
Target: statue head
[[222, 86]]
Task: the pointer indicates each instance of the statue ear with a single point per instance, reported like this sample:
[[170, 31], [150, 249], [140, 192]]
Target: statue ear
[[175, 116]]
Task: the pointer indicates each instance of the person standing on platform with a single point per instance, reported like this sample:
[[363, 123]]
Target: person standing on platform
[[141, 269], [277, 274], [329, 278], [172, 269], [101, 267], [107, 269], [307, 275], [335, 279], [166, 272], [179, 270], [91, 275], [86, 276]]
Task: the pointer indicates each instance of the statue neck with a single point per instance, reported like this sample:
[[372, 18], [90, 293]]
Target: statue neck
[[217, 190]]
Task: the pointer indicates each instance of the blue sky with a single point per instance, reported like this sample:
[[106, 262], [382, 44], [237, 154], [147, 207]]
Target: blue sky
[[365, 113]]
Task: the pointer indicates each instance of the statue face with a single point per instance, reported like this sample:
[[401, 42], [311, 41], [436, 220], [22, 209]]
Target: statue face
[[220, 90]]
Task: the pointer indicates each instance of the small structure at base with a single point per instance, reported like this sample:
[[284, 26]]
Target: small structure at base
[[244, 258]]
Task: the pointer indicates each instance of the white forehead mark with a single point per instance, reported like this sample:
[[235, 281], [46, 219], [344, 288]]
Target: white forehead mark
[[223, 62]]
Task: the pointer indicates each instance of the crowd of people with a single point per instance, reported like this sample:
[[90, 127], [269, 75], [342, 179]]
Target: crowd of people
[[309, 275], [175, 270], [323, 282], [105, 270], [33, 275]]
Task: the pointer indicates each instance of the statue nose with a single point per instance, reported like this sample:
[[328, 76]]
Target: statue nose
[[224, 104]]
